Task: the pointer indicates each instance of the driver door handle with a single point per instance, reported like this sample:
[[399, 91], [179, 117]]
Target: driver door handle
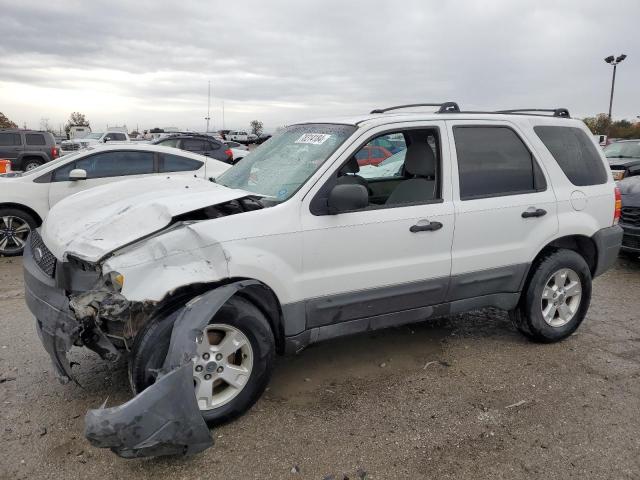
[[427, 227], [534, 212]]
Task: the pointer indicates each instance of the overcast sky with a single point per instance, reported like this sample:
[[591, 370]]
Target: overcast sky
[[146, 63]]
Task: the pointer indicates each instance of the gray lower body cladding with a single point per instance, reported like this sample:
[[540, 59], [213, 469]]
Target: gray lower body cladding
[[373, 309], [608, 242]]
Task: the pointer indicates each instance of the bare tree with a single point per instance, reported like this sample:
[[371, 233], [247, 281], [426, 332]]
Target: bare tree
[[256, 127]]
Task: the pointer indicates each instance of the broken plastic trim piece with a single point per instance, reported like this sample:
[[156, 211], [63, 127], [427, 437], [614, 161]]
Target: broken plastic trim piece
[[57, 338], [161, 420], [194, 318], [165, 418]]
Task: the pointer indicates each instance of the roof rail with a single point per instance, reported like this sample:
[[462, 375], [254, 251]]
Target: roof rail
[[557, 112], [445, 107]]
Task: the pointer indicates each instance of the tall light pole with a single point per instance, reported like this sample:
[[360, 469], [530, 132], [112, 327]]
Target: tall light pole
[[208, 117], [611, 60]]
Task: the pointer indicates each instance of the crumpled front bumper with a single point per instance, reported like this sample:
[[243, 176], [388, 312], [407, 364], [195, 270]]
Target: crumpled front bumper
[[57, 326], [165, 418]]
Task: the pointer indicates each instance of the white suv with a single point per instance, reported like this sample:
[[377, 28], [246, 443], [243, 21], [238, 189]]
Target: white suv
[[291, 246]]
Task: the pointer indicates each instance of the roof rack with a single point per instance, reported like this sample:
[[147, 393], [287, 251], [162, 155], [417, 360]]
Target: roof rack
[[452, 107], [557, 112], [445, 107]]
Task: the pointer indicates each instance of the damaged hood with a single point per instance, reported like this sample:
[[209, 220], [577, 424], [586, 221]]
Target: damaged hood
[[93, 223]]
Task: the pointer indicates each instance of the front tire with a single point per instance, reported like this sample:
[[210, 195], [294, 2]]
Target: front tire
[[555, 299], [235, 357]]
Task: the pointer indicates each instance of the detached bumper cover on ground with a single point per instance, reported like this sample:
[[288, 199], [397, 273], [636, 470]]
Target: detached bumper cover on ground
[[165, 418]]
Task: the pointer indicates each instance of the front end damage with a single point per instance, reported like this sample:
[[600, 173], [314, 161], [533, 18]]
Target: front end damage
[[165, 418]]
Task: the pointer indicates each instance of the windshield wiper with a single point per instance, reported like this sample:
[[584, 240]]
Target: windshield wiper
[[624, 156]]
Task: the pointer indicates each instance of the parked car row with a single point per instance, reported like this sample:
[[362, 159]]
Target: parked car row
[[25, 198]]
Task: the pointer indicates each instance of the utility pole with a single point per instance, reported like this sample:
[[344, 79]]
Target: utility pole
[[223, 115], [208, 117]]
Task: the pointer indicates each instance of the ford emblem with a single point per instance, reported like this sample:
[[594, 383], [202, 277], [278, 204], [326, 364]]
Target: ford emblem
[[37, 254]]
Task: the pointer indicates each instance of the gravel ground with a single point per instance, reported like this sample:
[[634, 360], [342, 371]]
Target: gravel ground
[[458, 397]]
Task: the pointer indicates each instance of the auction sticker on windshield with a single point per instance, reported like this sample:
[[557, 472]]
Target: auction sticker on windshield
[[313, 138]]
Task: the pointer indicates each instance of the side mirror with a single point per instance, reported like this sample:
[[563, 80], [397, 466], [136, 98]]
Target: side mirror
[[347, 197], [77, 174], [106, 139]]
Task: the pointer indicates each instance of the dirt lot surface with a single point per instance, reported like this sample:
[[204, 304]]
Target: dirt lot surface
[[459, 397]]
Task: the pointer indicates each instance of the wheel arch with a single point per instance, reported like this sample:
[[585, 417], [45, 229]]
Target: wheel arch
[[581, 244], [261, 295], [24, 208], [35, 155]]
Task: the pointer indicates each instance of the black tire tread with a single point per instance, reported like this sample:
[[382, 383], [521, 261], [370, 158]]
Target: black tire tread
[[522, 315]]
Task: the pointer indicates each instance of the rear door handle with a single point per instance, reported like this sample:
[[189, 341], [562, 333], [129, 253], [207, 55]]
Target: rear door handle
[[534, 212], [427, 227]]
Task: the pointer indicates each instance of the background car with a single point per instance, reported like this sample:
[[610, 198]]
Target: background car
[[94, 138], [196, 143], [25, 198], [630, 215], [236, 145], [390, 167], [27, 149], [263, 137], [372, 155], [241, 136], [624, 158]]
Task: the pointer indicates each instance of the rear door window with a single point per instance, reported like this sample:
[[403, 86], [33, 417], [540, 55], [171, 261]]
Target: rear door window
[[35, 139], [171, 142], [117, 137], [493, 161], [193, 144], [175, 163], [575, 153]]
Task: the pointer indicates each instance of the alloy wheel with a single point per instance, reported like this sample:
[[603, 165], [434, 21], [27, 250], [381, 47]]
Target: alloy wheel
[[13, 234], [561, 297], [222, 366]]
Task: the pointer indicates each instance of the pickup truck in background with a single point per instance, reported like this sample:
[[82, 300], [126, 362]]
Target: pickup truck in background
[[241, 136], [94, 138]]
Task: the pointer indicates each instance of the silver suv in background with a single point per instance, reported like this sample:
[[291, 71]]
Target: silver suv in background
[[27, 149]]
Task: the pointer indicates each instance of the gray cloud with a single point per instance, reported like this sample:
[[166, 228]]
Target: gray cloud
[[283, 61]]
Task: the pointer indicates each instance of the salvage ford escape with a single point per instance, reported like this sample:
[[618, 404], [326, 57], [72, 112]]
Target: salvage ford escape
[[202, 283]]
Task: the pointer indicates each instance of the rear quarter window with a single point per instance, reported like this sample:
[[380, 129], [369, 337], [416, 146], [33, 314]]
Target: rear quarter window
[[575, 153], [35, 139]]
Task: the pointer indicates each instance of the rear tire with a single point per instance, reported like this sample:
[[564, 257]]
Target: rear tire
[[15, 226], [556, 297], [31, 163], [238, 314]]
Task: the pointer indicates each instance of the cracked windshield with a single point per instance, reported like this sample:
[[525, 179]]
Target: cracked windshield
[[281, 166]]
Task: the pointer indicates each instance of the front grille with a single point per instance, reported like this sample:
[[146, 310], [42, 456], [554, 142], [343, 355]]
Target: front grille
[[69, 146], [41, 254], [631, 216], [631, 241]]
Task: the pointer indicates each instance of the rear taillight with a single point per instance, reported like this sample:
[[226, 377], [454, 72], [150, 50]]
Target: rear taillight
[[54, 152], [618, 208], [229, 155]]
